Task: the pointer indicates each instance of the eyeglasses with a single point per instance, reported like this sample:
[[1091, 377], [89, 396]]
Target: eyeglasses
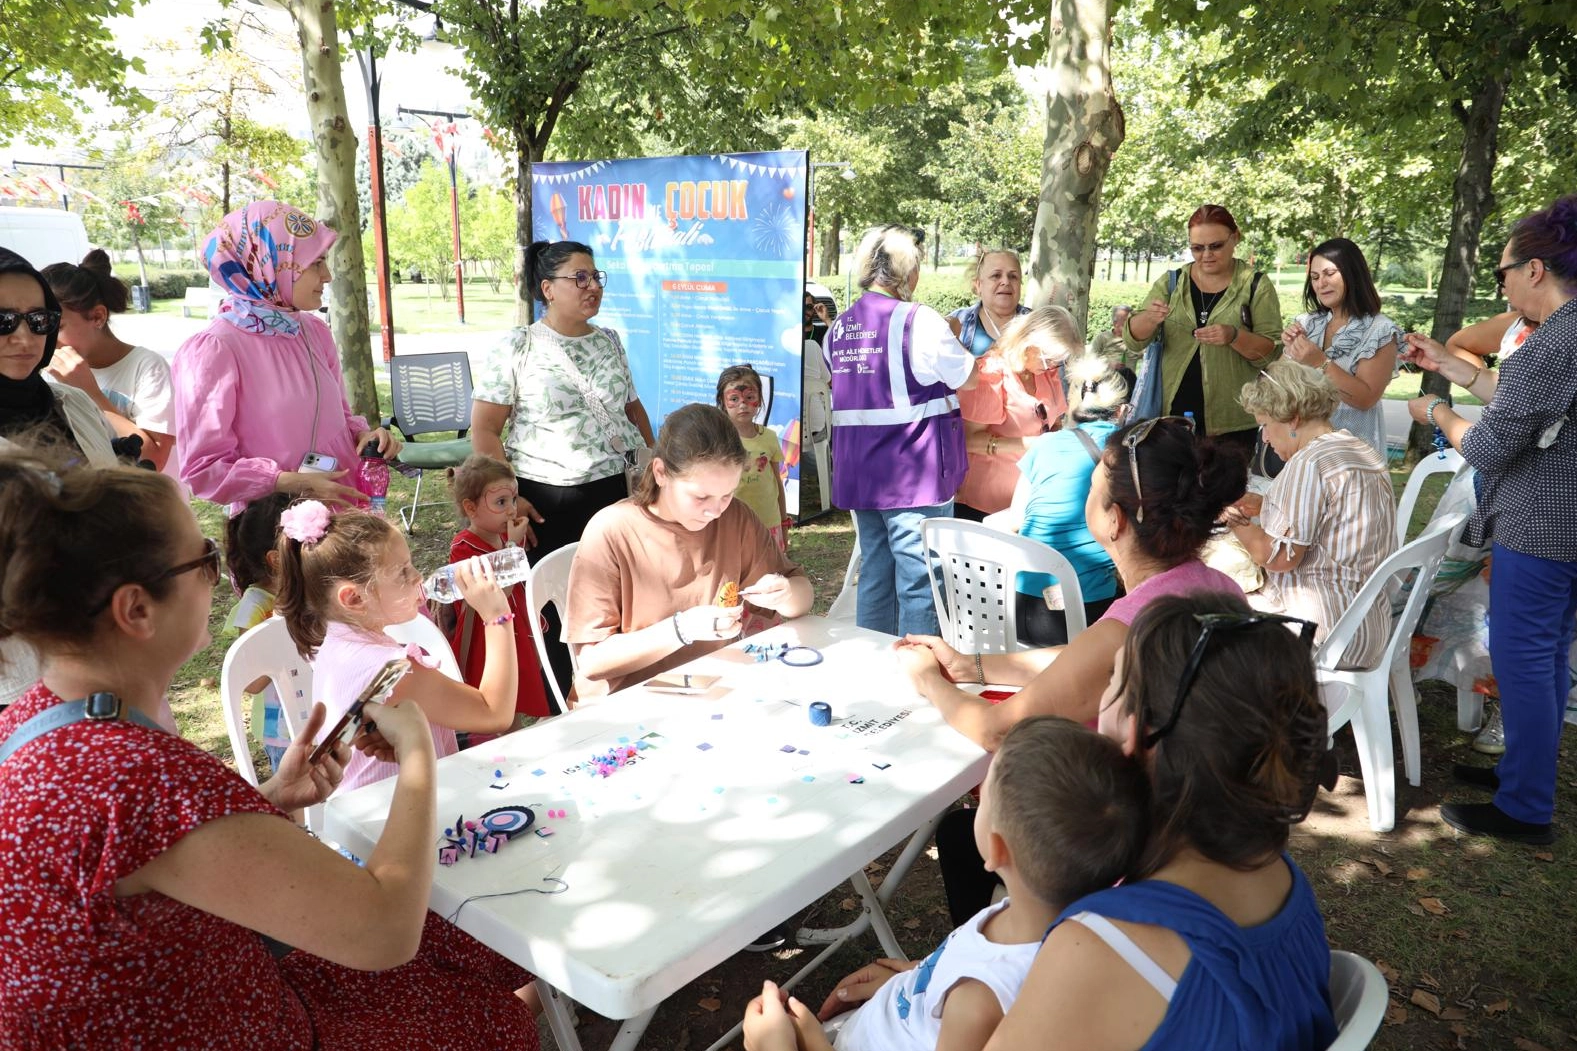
[[1209, 624], [1213, 247], [1500, 276], [1043, 417], [39, 322], [208, 562], [583, 278], [1131, 441]]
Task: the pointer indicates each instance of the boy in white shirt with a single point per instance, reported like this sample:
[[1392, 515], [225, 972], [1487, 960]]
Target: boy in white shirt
[[1063, 813]]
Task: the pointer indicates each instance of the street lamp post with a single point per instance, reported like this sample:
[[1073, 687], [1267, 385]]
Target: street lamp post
[[450, 151], [367, 59]]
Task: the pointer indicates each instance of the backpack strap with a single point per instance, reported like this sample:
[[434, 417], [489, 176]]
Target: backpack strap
[[98, 707], [1246, 315]]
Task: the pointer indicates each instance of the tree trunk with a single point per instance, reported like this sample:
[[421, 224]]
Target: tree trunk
[[829, 244], [1084, 127], [1109, 253], [527, 152], [1472, 200], [142, 263], [337, 151], [936, 244], [1148, 258]]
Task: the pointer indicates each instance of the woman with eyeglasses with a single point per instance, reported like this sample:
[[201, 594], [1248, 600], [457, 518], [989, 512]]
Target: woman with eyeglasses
[[1329, 518], [35, 410], [259, 396], [557, 402], [1525, 449], [1154, 499], [1345, 336], [151, 927], [1217, 940], [1219, 325], [1018, 396]]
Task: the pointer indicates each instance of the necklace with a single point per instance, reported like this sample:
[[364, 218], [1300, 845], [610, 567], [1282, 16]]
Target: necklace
[[992, 326], [1207, 303]]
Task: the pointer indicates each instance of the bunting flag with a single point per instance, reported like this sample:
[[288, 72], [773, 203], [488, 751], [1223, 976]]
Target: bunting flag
[[578, 175], [755, 169]]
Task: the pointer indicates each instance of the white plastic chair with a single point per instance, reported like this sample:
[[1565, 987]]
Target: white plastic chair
[[549, 583], [1358, 999], [264, 651], [974, 591], [1449, 462], [430, 637], [1365, 704], [846, 606]]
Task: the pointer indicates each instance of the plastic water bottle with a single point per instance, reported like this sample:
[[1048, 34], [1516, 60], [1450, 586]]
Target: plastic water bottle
[[372, 478], [509, 568]]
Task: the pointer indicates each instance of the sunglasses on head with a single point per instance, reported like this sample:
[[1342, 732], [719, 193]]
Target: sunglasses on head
[[1043, 416], [1131, 442], [1210, 624], [39, 322]]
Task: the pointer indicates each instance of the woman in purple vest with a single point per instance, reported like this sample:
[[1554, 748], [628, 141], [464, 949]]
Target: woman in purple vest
[[896, 428]]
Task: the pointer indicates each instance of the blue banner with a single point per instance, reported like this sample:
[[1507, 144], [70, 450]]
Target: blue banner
[[705, 261]]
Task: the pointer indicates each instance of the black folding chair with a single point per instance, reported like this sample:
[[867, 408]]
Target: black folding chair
[[432, 393]]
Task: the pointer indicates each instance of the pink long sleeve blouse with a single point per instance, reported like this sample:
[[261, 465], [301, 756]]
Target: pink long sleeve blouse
[[245, 406]]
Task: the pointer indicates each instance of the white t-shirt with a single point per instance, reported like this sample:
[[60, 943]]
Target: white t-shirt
[[906, 1013], [138, 385], [935, 355]]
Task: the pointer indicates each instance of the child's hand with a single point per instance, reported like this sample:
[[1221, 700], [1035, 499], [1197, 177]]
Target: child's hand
[[768, 1026], [710, 623], [770, 592], [474, 579], [521, 534], [861, 986]]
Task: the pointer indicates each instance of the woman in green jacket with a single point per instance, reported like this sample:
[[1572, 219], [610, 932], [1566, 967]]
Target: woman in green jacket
[[1219, 327]]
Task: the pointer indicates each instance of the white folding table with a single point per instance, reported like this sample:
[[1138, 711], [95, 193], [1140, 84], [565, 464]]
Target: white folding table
[[737, 813]]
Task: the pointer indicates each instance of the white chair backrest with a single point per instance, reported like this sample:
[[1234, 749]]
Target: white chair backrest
[[972, 571], [549, 583], [1358, 999], [845, 606], [1449, 462], [430, 637], [264, 651], [1423, 556]]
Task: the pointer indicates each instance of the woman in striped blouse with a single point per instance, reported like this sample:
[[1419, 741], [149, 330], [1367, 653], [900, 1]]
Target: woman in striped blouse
[[1328, 520]]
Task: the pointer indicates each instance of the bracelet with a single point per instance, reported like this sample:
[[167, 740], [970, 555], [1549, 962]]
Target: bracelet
[[980, 671], [679, 634], [1468, 386], [991, 446], [1236, 332], [499, 621], [1429, 413]]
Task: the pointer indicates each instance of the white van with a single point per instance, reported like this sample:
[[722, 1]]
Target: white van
[[43, 235]]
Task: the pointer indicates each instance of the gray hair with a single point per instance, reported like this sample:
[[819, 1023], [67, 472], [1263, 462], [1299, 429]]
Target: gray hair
[[886, 259], [1288, 390], [1119, 310]]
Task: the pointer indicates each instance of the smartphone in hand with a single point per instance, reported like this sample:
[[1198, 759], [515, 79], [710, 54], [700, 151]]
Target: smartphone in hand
[[378, 689]]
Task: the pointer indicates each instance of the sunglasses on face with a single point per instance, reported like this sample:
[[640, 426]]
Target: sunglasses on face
[[209, 562], [1212, 247], [1131, 442], [584, 278], [39, 322], [1500, 276], [1210, 624], [1043, 417]]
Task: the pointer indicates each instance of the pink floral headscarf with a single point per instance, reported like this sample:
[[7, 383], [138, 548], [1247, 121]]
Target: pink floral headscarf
[[257, 251]]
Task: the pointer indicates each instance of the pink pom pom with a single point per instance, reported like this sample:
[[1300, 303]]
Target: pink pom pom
[[305, 522]]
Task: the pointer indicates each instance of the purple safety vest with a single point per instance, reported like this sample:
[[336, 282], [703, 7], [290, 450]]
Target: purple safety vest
[[898, 442]]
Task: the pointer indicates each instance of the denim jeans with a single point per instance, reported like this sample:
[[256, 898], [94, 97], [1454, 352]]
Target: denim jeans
[[894, 593], [1532, 602]]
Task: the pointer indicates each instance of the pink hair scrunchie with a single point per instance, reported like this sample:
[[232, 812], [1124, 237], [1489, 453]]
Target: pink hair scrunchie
[[306, 522]]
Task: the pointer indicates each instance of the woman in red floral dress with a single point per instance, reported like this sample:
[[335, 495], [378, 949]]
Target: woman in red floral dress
[[139, 875]]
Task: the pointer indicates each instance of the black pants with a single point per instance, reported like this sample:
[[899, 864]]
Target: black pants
[[565, 510], [964, 877], [1039, 626]]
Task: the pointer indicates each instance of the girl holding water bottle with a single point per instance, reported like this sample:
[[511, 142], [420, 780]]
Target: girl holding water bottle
[[343, 579]]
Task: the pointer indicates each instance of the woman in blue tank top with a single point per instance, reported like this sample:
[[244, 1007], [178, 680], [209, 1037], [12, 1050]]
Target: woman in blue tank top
[[1219, 943]]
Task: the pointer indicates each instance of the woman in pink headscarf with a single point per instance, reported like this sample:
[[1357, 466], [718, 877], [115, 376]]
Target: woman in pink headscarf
[[259, 398]]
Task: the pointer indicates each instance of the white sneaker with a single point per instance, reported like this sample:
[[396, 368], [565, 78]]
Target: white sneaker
[[1492, 739]]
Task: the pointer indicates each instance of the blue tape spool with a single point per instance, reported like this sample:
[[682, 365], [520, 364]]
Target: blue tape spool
[[820, 713]]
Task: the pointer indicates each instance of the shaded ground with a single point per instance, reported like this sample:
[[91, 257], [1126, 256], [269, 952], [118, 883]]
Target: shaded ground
[[1475, 937]]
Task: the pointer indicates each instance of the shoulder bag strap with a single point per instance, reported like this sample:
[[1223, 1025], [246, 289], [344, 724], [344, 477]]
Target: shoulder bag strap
[[589, 396], [100, 707], [1089, 444]]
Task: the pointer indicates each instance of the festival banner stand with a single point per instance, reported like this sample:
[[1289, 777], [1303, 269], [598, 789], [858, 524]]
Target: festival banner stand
[[705, 261]]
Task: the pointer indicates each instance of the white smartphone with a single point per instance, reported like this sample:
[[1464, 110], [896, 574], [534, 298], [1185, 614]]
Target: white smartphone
[[318, 462]]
